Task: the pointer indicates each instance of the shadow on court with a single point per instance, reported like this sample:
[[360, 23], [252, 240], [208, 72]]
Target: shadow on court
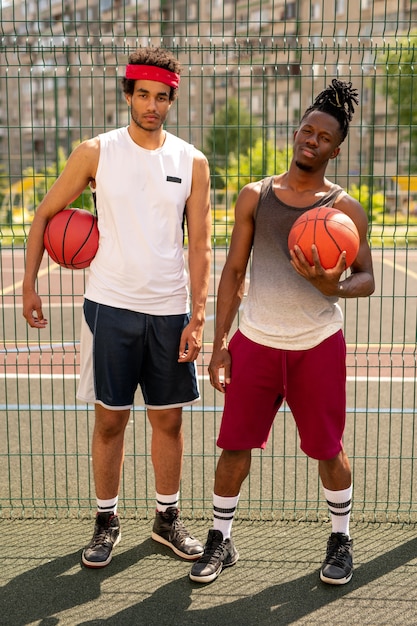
[[275, 581]]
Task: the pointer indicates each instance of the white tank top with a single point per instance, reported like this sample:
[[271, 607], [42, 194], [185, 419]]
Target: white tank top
[[141, 196]]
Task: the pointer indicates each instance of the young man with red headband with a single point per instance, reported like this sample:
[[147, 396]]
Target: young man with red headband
[[138, 327]]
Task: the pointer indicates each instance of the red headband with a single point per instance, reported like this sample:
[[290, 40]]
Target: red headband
[[151, 72]]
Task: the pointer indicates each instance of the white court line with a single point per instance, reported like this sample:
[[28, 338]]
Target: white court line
[[54, 305], [352, 347], [401, 268], [358, 379], [18, 284], [71, 305], [188, 409]]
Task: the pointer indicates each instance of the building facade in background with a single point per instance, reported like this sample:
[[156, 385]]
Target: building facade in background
[[61, 64]]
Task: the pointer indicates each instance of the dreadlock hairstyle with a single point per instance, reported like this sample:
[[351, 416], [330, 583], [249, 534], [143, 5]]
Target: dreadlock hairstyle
[[337, 100]]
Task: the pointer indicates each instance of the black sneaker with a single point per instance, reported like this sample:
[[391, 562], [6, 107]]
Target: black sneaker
[[337, 568], [218, 553], [169, 530], [106, 536]]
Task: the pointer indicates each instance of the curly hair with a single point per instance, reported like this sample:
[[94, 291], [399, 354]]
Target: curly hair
[[337, 100], [159, 57]]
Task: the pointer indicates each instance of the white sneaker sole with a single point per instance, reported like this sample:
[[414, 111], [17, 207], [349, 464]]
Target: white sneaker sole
[[210, 577], [97, 564], [183, 555], [336, 581]]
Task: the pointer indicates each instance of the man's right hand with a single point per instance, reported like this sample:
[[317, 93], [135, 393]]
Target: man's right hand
[[220, 360], [32, 310]]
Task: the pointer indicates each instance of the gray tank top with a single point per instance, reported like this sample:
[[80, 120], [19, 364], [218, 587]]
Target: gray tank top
[[282, 309]]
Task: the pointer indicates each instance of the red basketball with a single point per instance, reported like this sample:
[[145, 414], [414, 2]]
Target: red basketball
[[71, 238], [331, 230]]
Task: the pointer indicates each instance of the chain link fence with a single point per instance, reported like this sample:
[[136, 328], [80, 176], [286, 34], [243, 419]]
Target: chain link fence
[[249, 71]]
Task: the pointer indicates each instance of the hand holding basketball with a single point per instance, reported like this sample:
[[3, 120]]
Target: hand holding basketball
[[330, 230], [71, 238]]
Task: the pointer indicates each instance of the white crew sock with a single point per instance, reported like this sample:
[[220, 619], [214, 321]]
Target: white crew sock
[[107, 506], [340, 504], [223, 514], [163, 502]]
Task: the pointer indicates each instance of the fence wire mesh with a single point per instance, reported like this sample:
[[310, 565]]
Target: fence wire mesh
[[250, 68]]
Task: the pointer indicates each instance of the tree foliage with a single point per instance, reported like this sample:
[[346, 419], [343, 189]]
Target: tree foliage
[[374, 204], [19, 201], [260, 160], [233, 132], [401, 87], [50, 174]]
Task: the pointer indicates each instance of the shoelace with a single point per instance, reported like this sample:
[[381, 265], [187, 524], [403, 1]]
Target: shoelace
[[212, 552], [337, 554], [180, 529], [101, 535]]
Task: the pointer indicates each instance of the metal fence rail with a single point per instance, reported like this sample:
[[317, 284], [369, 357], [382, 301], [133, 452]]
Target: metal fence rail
[[249, 70]]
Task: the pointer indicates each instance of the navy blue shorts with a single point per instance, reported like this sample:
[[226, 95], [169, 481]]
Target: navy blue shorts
[[121, 350]]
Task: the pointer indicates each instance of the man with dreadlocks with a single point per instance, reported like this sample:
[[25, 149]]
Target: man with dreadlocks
[[290, 343]]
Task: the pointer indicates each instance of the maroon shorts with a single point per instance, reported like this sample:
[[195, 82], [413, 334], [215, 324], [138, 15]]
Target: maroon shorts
[[313, 383]]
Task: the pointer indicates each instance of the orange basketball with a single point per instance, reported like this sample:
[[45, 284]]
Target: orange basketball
[[71, 238], [331, 230]]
